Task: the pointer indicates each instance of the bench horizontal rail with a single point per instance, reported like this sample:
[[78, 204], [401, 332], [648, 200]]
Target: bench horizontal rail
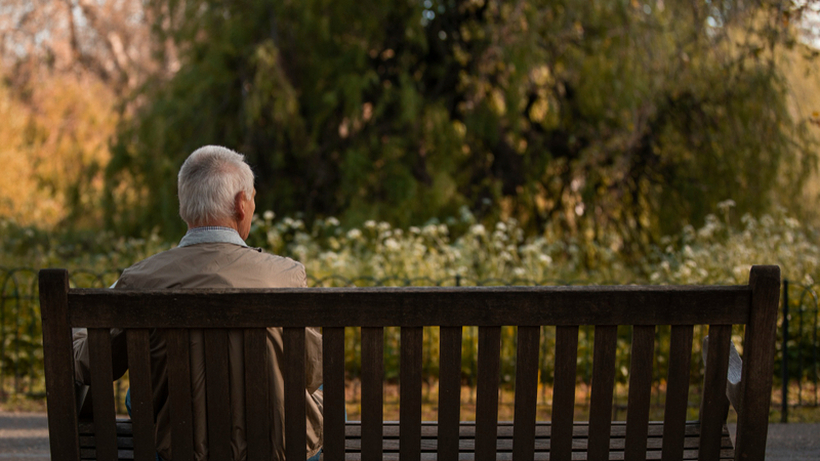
[[411, 306]]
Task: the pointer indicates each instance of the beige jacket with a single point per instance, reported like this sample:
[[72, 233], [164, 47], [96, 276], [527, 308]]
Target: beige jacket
[[219, 265]]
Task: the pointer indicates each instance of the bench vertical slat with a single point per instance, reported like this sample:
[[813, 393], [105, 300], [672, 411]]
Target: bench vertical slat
[[603, 382], [677, 392], [257, 403], [526, 392], [102, 393], [758, 357], [179, 394], [410, 403], [295, 423], [59, 364], [486, 412], [218, 393], [372, 392], [142, 408], [563, 394], [449, 396], [640, 390], [333, 375], [714, 404]]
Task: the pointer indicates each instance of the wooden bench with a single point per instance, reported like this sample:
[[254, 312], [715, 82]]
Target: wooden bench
[[528, 308]]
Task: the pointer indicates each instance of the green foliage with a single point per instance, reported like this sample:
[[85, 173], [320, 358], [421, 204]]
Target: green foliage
[[457, 251], [605, 118]]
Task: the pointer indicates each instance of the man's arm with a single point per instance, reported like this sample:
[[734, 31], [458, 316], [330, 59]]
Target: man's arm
[[82, 363]]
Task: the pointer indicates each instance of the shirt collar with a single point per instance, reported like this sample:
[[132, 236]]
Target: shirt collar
[[211, 234]]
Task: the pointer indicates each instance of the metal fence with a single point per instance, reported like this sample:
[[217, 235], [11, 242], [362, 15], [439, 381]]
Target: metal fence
[[796, 362]]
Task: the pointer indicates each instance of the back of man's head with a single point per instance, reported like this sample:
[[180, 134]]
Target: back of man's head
[[208, 183]]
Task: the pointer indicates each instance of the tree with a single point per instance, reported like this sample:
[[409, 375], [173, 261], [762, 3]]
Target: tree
[[65, 66], [608, 116]]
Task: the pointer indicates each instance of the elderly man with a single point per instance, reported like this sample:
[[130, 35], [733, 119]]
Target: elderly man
[[216, 200]]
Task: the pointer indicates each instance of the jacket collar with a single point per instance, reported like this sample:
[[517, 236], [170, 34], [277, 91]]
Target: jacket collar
[[210, 234]]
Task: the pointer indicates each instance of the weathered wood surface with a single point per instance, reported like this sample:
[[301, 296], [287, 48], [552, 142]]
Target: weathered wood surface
[[411, 306], [102, 375], [59, 368], [257, 414], [142, 408], [295, 434], [449, 397], [677, 392], [333, 375], [210, 314], [430, 440], [756, 378]]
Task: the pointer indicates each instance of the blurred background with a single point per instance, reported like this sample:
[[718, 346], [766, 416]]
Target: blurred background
[[423, 142]]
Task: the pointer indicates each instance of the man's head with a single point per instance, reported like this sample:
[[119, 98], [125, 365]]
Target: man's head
[[215, 188]]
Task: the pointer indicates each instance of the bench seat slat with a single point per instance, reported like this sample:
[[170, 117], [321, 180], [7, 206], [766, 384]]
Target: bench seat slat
[[677, 392], [295, 422], [372, 391], [563, 396], [334, 387], [391, 442], [102, 391], [526, 391], [218, 393], [410, 388], [688, 455], [449, 397], [603, 385], [489, 364], [142, 407], [714, 404], [179, 393], [257, 411], [505, 429], [541, 444], [640, 389]]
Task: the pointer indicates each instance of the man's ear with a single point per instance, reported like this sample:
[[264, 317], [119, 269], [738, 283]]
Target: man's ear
[[239, 206]]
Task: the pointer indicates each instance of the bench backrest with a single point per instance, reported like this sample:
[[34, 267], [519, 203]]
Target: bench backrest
[[411, 308]]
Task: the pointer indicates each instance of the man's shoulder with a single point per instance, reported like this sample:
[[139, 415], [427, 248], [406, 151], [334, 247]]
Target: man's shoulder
[[286, 271], [222, 263], [262, 255]]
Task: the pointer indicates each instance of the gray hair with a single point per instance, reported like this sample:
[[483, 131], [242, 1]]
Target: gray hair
[[208, 183]]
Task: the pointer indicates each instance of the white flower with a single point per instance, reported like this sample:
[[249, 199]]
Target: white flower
[[392, 244], [477, 230], [354, 234], [415, 230], [268, 215], [370, 224], [430, 230], [545, 259], [331, 221], [726, 204]]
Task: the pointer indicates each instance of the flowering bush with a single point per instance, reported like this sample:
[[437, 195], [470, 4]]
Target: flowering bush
[[462, 250]]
